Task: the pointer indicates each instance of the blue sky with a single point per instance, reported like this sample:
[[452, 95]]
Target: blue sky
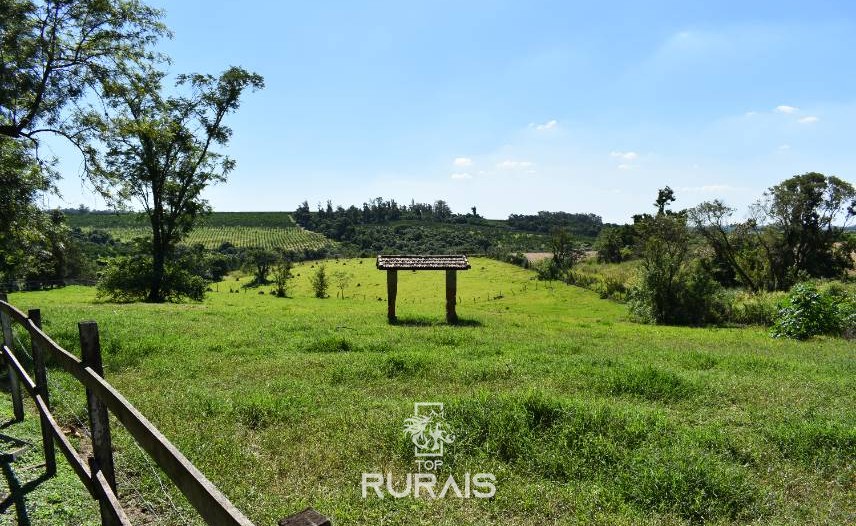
[[523, 106]]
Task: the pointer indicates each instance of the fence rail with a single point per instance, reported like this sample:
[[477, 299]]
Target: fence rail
[[97, 473]]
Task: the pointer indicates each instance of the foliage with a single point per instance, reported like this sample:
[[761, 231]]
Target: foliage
[[342, 279], [22, 225], [794, 232], [320, 282], [669, 289], [129, 278], [60, 53], [260, 261], [159, 151], [808, 312], [613, 244], [281, 274], [579, 225]]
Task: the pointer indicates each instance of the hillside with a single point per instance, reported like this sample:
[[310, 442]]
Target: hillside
[[271, 230]]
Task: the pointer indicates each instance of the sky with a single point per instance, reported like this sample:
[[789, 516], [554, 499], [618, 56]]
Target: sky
[[516, 107]]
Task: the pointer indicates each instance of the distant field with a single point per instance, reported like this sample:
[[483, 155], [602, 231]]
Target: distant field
[[271, 230], [216, 219]]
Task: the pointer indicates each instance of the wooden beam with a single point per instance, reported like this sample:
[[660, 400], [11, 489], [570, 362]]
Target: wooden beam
[[41, 379], [451, 295], [14, 386], [99, 419], [391, 293]]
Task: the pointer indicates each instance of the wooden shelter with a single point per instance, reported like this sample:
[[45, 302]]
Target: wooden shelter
[[451, 264]]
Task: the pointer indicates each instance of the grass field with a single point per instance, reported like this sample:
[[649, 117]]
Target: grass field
[[584, 416]]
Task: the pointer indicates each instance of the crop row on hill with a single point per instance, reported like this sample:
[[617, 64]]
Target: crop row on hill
[[288, 238], [105, 220]]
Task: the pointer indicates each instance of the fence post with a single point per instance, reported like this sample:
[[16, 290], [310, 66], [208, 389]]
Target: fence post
[[41, 378], [99, 418], [14, 385]]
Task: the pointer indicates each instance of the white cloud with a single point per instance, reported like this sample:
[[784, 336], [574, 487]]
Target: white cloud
[[627, 156], [462, 161], [461, 175], [511, 165], [786, 109], [811, 119], [549, 125], [784, 147], [624, 166]]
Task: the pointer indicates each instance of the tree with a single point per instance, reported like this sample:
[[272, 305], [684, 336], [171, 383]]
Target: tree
[[729, 243], [159, 151], [281, 275], [261, 261], [56, 54], [342, 280], [796, 230], [665, 197], [671, 288], [319, 282], [610, 245], [566, 253], [803, 211], [442, 210]]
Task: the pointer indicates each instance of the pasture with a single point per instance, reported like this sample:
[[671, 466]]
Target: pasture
[[584, 416]]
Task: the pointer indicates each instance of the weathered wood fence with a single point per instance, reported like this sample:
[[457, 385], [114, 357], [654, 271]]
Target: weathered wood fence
[[97, 473]]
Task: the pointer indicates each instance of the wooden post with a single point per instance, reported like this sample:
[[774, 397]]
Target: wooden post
[[99, 418], [451, 295], [14, 385], [391, 292], [307, 517], [41, 379]]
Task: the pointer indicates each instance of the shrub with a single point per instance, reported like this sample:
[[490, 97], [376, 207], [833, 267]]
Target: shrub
[[319, 282], [692, 297], [808, 312], [128, 278]]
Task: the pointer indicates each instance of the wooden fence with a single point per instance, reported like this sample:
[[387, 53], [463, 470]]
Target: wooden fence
[[97, 473]]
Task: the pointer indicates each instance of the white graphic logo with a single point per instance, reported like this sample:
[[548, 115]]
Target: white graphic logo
[[428, 430], [429, 433]]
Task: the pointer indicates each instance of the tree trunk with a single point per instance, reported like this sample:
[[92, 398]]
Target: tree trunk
[[158, 270]]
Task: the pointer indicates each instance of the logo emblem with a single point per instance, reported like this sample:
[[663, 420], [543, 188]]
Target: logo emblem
[[428, 430]]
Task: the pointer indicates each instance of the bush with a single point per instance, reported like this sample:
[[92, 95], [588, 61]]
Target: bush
[[809, 312], [752, 308], [320, 282], [691, 298], [129, 278]]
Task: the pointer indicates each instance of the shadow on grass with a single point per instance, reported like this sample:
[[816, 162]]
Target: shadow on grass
[[17, 491], [434, 322]]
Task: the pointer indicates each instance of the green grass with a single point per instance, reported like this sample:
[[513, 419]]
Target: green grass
[[584, 416]]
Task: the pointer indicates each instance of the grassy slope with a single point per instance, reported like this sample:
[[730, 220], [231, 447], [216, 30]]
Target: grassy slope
[[269, 230], [583, 416]]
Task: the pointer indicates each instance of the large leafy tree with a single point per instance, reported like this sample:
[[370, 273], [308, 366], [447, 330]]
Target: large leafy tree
[[55, 56], [160, 151], [796, 230]]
